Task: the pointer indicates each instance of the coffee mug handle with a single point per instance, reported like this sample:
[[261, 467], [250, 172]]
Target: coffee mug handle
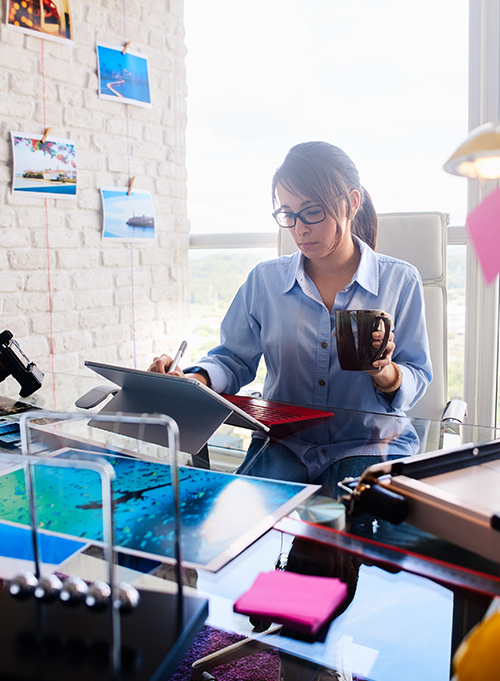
[[387, 321]]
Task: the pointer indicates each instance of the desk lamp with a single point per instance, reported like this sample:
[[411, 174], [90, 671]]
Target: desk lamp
[[479, 156]]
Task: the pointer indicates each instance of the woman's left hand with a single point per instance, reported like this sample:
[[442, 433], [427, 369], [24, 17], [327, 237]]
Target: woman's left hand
[[383, 369]]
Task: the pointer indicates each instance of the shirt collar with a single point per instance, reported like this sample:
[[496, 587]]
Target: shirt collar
[[295, 272], [366, 275]]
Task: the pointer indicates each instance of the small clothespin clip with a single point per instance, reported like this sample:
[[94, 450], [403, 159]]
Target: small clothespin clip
[[126, 46], [46, 134], [130, 185]]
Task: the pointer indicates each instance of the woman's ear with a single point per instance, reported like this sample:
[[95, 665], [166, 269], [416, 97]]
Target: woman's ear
[[355, 201]]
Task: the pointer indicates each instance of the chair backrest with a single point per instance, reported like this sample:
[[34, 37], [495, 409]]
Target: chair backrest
[[420, 239]]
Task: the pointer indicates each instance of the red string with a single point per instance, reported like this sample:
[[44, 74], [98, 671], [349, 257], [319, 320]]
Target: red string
[[49, 283], [124, 10], [43, 90]]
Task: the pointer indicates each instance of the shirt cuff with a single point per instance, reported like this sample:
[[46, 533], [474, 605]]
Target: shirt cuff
[[202, 372]]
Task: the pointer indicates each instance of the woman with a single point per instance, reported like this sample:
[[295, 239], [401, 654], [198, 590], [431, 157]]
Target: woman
[[286, 308]]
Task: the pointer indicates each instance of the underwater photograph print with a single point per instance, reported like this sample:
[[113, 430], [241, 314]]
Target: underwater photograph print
[[221, 514]]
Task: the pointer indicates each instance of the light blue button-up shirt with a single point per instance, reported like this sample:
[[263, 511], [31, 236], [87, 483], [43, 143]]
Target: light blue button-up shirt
[[278, 313]]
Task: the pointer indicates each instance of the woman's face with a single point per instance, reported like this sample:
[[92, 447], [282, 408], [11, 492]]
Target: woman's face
[[323, 238]]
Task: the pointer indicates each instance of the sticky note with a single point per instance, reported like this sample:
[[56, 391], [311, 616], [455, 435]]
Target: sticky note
[[302, 602], [484, 228]]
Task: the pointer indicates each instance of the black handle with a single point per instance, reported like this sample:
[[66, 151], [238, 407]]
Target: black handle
[[387, 322], [383, 503]]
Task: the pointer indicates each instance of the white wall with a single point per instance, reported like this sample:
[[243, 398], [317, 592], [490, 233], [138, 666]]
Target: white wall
[[104, 294]]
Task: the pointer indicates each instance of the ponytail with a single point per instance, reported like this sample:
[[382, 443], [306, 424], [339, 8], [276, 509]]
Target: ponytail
[[365, 223]]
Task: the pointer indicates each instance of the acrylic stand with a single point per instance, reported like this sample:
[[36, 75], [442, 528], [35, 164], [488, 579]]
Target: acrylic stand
[[53, 631]]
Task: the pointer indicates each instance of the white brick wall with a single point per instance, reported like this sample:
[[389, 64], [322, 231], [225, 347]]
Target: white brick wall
[[91, 279]]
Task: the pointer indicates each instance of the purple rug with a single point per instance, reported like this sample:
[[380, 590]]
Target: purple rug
[[262, 666]]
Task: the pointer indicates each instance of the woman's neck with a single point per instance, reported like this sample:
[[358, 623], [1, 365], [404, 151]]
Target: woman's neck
[[333, 273], [342, 262]]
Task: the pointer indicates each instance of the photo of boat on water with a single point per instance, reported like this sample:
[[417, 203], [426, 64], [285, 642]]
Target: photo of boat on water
[[46, 18], [47, 169], [127, 217], [123, 77]]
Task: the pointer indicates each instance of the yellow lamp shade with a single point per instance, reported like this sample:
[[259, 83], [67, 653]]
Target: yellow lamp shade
[[477, 656], [479, 155]]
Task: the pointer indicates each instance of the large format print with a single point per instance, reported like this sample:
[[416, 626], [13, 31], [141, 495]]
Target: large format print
[[46, 169], [221, 514], [123, 77], [46, 18]]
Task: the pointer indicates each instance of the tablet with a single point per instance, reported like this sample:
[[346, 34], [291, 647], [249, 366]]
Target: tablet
[[197, 409]]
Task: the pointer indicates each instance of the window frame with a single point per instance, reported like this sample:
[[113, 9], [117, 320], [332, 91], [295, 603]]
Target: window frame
[[481, 326], [481, 362]]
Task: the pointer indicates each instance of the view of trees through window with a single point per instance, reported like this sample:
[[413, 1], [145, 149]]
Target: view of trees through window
[[215, 278], [456, 320]]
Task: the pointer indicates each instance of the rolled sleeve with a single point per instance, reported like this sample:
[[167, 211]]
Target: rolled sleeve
[[412, 348]]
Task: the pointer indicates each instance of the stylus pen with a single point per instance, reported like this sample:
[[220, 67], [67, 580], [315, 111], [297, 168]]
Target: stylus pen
[[178, 355]]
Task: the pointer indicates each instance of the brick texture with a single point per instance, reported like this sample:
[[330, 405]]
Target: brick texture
[[104, 300]]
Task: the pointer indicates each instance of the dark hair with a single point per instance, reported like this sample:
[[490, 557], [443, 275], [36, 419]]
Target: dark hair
[[324, 173]]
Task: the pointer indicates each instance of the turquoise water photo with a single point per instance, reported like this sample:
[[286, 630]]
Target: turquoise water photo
[[221, 514]]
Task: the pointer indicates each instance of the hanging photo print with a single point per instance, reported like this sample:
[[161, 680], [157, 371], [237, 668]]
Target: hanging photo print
[[47, 18], [127, 217], [123, 77], [46, 169]]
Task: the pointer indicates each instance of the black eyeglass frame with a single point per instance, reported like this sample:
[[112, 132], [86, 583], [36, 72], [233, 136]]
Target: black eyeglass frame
[[293, 215]]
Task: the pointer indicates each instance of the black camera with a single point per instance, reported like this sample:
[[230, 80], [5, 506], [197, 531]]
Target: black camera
[[14, 361]]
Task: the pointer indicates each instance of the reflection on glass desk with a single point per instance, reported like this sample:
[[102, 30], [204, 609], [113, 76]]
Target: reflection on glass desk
[[394, 621], [394, 435], [413, 595]]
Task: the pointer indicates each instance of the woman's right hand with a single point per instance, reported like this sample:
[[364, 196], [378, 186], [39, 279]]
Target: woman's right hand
[[162, 364]]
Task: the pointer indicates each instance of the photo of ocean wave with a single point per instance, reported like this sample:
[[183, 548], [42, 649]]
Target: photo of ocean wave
[[128, 218]]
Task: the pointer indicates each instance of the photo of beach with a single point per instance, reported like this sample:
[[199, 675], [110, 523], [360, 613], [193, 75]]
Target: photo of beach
[[47, 18], [47, 168], [127, 217], [123, 77]]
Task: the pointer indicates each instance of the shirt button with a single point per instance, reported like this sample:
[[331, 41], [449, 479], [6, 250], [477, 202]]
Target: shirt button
[[321, 381], [324, 345], [324, 450]]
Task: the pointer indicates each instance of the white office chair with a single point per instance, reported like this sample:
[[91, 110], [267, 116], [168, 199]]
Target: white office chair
[[420, 239]]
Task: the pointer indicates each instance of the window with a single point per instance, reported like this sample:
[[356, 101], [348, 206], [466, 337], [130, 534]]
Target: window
[[456, 278], [385, 81], [216, 275]]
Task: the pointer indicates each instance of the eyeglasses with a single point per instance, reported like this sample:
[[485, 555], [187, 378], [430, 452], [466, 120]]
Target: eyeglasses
[[309, 216]]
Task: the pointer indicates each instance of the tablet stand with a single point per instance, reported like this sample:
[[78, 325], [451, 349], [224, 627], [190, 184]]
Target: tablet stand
[[55, 629]]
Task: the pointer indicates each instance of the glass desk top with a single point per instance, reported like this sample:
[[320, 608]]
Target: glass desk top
[[400, 603], [381, 432]]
